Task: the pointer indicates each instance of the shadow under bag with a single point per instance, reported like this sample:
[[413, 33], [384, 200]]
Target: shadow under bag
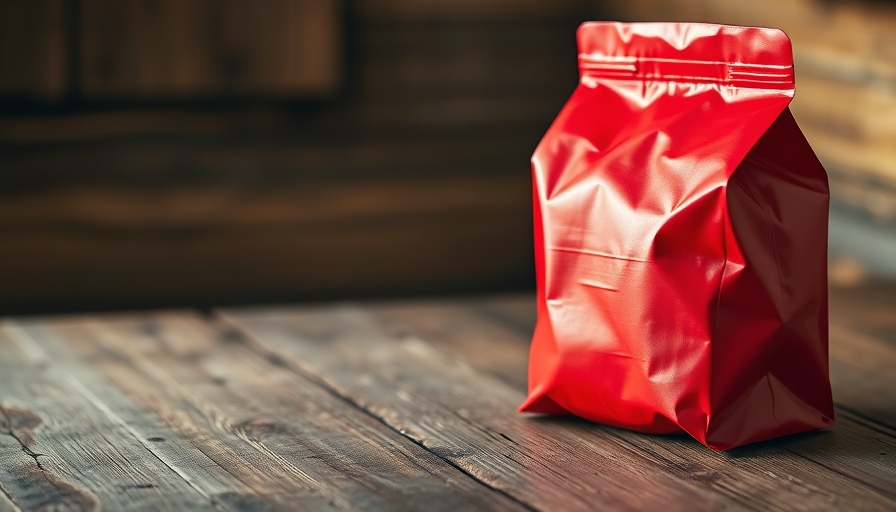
[[681, 240]]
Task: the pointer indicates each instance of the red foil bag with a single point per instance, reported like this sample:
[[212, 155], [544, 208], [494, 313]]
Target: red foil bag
[[681, 240]]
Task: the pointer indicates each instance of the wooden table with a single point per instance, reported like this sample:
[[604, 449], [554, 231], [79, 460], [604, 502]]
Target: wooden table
[[383, 406]]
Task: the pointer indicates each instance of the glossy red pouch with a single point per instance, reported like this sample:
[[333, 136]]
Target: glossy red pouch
[[681, 240]]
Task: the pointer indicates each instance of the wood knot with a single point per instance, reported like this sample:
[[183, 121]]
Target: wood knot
[[19, 422], [257, 427]]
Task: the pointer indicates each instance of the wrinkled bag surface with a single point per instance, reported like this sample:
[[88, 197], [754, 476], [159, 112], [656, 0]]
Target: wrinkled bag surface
[[681, 240]]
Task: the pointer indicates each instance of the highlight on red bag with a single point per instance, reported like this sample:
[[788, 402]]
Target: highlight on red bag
[[681, 240]]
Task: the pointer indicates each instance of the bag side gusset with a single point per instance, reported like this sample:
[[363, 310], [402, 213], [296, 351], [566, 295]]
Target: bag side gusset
[[629, 168], [770, 355]]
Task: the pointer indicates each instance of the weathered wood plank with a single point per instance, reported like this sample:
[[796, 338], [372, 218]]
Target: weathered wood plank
[[157, 436], [860, 445], [289, 388], [36, 486], [442, 389], [864, 387], [61, 450], [462, 328], [288, 439], [862, 342], [467, 417]]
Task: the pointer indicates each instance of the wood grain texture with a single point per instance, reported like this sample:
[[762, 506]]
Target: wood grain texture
[[290, 443], [60, 449], [158, 438], [860, 374], [389, 406], [853, 465], [430, 397]]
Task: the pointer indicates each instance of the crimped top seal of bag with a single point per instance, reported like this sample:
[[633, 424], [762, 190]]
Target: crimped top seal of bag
[[750, 57]]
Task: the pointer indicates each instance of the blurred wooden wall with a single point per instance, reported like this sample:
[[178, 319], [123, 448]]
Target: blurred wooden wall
[[845, 64], [159, 152], [172, 153]]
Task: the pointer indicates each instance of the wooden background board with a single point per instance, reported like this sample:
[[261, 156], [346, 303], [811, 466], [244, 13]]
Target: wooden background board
[[162, 153], [392, 405], [412, 178], [33, 54], [167, 48]]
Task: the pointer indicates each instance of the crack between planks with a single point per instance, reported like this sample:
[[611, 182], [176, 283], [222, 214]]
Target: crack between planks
[[274, 357], [22, 337], [25, 448]]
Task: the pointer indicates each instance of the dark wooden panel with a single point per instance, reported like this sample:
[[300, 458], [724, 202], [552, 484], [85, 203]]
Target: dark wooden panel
[[444, 102], [481, 125], [405, 11], [167, 48], [432, 397], [474, 59], [165, 163], [123, 247], [33, 49]]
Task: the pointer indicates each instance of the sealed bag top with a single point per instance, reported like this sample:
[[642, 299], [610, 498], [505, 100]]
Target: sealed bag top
[[739, 56]]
